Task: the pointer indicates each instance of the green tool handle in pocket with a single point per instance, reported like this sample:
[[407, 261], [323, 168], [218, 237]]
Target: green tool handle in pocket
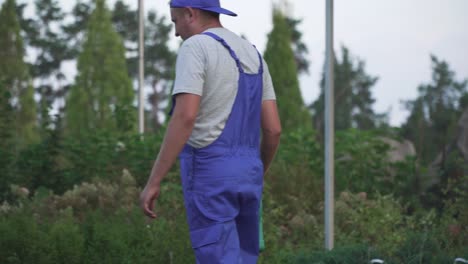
[[260, 229]]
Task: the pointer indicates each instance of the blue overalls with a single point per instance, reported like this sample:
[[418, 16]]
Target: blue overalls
[[223, 181]]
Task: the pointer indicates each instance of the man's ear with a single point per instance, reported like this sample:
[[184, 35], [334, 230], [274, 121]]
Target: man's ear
[[191, 13]]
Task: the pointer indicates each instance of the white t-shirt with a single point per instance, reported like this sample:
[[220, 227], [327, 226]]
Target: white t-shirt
[[205, 67]]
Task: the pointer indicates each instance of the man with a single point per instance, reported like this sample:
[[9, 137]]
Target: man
[[223, 100]]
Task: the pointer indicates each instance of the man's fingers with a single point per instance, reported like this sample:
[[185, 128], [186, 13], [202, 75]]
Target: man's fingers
[[149, 212], [147, 203]]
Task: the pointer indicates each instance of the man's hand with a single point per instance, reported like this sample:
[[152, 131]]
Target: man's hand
[[147, 198]]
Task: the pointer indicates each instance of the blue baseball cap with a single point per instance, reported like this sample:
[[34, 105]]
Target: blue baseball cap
[[208, 5]]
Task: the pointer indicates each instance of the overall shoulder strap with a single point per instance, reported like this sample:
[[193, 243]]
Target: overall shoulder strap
[[231, 51]]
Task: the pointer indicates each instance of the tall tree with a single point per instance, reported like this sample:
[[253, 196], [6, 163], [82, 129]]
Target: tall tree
[[434, 113], [75, 30], [159, 65], [299, 48], [13, 69], [282, 65], [6, 141], [48, 41], [159, 58], [353, 96], [26, 118], [103, 89], [14, 75]]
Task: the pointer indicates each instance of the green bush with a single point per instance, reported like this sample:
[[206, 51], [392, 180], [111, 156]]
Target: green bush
[[357, 254], [79, 205], [379, 222]]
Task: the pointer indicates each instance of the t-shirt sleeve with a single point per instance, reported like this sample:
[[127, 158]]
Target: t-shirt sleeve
[[190, 68], [268, 90]]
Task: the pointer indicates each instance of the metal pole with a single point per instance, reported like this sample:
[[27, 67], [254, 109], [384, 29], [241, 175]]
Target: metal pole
[[329, 130], [141, 98]]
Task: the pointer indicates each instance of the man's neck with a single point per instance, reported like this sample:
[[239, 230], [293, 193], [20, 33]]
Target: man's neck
[[208, 25]]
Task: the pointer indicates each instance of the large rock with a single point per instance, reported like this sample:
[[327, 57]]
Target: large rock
[[462, 137], [459, 146], [399, 150]]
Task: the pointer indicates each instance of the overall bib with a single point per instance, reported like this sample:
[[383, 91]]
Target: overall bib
[[222, 182]]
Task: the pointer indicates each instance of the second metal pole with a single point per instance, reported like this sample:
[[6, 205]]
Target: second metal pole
[[141, 74], [329, 130]]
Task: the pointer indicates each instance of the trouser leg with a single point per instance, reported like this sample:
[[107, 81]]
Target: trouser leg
[[248, 229], [217, 244], [248, 224]]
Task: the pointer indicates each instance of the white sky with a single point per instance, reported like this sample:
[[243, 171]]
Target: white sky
[[394, 37]]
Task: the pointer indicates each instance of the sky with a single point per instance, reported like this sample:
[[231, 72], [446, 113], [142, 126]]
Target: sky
[[393, 37]]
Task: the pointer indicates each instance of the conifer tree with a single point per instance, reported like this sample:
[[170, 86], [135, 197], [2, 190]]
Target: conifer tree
[[75, 30], [14, 76], [103, 87], [26, 118], [159, 59], [435, 112], [160, 62], [13, 70], [299, 48], [6, 141], [353, 96], [283, 68], [48, 41]]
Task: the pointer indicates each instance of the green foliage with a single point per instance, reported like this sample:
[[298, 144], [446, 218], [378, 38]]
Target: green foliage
[[26, 121], [43, 33], [357, 253], [22, 240], [299, 48], [13, 69], [7, 144], [159, 58], [359, 155], [96, 223], [435, 112], [102, 84], [92, 215], [283, 69], [66, 240], [353, 96], [379, 222], [59, 163], [159, 66], [14, 75], [46, 37]]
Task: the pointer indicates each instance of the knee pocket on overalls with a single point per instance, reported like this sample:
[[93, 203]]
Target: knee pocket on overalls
[[215, 205], [206, 236]]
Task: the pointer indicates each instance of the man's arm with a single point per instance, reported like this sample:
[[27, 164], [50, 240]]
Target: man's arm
[[177, 133], [271, 131]]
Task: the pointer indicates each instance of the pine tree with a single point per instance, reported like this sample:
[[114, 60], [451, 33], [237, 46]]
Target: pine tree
[[48, 41], [103, 87], [159, 59], [13, 70], [353, 96], [75, 30], [299, 48], [282, 65], [14, 75], [6, 141], [159, 66], [435, 112], [26, 118]]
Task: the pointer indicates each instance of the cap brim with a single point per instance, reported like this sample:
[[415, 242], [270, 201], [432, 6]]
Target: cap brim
[[219, 10]]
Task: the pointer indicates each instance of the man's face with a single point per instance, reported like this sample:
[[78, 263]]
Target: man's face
[[180, 20]]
